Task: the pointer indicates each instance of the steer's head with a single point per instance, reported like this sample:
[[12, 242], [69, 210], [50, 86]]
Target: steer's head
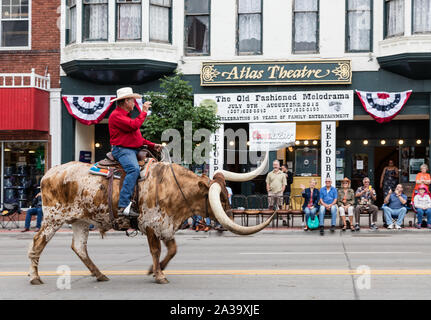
[[218, 198]]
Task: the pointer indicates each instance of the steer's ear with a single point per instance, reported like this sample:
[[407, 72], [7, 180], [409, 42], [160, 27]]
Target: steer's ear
[[204, 187]]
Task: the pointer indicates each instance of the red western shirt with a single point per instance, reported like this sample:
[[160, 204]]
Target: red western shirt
[[124, 131]]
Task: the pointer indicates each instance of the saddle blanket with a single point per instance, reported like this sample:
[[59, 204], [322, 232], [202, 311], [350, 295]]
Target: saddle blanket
[[102, 171]]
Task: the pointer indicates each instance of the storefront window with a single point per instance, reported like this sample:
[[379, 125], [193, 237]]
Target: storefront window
[[411, 160], [24, 166], [307, 162]]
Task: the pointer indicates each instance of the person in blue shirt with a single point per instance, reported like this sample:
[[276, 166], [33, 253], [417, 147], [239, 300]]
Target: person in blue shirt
[[395, 207], [328, 200]]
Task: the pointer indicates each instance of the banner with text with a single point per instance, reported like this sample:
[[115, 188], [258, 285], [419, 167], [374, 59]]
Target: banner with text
[[328, 153], [271, 136], [280, 106]]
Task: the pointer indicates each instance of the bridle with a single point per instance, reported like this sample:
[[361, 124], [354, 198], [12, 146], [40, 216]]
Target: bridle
[[184, 196]]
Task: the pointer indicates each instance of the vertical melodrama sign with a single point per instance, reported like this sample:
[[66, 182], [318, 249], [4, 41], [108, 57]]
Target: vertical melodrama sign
[[217, 154], [328, 155]]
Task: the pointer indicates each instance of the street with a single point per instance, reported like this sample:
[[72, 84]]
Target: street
[[274, 264]]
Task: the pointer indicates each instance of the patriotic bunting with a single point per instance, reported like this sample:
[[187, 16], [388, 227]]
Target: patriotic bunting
[[383, 106], [92, 109]]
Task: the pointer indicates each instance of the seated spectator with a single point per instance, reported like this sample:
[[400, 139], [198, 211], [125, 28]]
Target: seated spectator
[[422, 178], [202, 226], [311, 201], [366, 196], [346, 201], [422, 203], [394, 207], [328, 202], [36, 209]]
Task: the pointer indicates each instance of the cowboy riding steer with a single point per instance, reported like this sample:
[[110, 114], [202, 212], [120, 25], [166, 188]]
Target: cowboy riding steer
[[167, 196]]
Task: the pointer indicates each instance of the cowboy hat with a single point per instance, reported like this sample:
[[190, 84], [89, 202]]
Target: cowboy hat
[[422, 186], [126, 92], [345, 180]]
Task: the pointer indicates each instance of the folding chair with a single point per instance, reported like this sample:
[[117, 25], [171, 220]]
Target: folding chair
[[239, 205], [266, 211], [295, 209], [254, 206], [9, 216]]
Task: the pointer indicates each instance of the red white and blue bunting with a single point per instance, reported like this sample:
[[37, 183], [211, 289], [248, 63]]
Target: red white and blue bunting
[[383, 106], [92, 109]]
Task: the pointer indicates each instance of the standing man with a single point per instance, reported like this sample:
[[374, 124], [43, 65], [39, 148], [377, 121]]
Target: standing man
[[275, 185], [328, 200], [289, 180], [126, 139], [366, 195], [394, 207]]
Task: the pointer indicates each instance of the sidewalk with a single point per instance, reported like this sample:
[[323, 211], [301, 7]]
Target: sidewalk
[[408, 225]]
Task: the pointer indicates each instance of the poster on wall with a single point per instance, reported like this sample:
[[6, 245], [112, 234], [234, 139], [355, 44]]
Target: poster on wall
[[271, 136], [415, 168], [280, 106]]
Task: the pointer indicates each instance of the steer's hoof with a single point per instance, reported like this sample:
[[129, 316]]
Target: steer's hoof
[[162, 281], [102, 278], [36, 281]]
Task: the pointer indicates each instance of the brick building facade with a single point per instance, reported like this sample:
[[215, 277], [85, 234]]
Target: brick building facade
[[29, 95]]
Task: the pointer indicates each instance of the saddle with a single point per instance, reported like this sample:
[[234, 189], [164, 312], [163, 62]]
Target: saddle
[[111, 169]]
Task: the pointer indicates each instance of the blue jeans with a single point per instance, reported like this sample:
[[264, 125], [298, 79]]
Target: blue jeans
[[333, 215], [421, 214], [32, 212], [197, 218], [389, 213], [129, 162], [310, 212]]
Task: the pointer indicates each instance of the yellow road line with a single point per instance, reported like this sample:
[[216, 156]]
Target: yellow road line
[[229, 272]]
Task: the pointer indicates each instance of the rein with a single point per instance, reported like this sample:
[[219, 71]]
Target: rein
[[185, 199], [188, 204]]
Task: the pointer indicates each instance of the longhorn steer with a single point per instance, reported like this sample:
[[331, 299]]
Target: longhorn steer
[[71, 195]]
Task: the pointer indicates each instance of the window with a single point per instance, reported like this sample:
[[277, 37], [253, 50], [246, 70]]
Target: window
[[421, 16], [71, 21], [306, 15], [197, 22], [129, 19], [394, 17], [160, 20], [249, 27], [14, 23], [24, 165], [95, 24], [359, 25]]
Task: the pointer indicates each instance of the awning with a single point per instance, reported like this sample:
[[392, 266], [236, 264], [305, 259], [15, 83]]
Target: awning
[[132, 71], [24, 109]]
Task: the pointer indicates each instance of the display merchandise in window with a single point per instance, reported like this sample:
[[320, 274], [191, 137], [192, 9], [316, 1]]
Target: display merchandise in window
[[24, 166]]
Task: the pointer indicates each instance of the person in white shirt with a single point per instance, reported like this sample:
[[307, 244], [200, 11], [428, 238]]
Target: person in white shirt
[[422, 203]]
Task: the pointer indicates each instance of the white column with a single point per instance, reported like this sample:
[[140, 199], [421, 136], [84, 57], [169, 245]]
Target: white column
[[328, 152], [112, 21], [84, 139], [79, 23], [55, 125], [146, 21]]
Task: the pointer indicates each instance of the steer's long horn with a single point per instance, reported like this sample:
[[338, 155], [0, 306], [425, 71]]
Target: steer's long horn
[[240, 177], [223, 219]]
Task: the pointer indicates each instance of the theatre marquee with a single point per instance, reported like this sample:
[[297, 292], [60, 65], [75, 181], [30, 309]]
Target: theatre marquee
[[276, 73]]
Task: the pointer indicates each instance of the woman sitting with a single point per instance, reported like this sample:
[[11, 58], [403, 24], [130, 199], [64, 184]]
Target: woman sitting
[[346, 200], [422, 203], [311, 201], [422, 178]]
